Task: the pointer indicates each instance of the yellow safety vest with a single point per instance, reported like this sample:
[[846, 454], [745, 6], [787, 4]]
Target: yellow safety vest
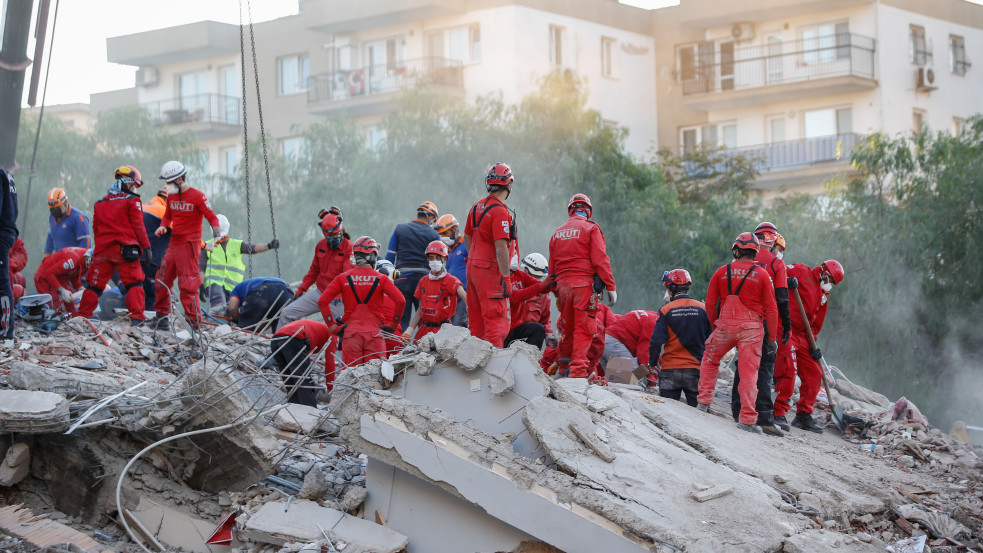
[[225, 266]]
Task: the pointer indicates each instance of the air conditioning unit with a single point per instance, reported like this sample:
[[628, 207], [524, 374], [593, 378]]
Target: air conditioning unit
[[147, 76], [742, 31], [926, 80]]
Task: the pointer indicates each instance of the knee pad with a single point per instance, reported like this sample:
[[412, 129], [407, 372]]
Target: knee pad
[[130, 286], [97, 291]]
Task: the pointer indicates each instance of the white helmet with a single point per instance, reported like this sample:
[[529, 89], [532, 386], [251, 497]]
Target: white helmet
[[172, 170], [385, 267], [535, 264], [223, 224]]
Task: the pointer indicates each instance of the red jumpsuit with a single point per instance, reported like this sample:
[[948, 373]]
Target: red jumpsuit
[[17, 262], [577, 253], [740, 301], [327, 264], [488, 310], [634, 331], [793, 357], [117, 221], [62, 269], [528, 302], [604, 318], [438, 302], [320, 337], [363, 291], [183, 216]]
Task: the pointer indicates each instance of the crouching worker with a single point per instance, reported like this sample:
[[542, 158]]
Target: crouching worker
[[60, 275], [679, 338], [741, 307], [255, 303], [363, 291], [120, 243], [292, 347], [437, 293]]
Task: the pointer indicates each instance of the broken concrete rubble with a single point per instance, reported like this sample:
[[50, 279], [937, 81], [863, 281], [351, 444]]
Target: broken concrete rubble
[[278, 523], [32, 411], [15, 464]]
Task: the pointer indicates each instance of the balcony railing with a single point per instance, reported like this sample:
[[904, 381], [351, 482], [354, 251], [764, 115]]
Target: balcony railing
[[199, 108], [775, 63], [379, 79], [796, 154]]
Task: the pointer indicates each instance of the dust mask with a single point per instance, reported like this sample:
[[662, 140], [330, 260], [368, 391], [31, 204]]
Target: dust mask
[[667, 298], [436, 266], [827, 287], [447, 240]]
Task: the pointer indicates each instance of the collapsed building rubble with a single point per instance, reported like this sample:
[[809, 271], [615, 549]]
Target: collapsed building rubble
[[451, 445]]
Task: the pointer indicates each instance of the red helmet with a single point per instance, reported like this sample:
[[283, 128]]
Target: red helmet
[[365, 245], [429, 208], [129, 175], [767, 233], [834, 269], [330, 225], [746, 241], [679, 277], [333, 210], [499, 174], [580, 200], [437, 247], [766, 227]]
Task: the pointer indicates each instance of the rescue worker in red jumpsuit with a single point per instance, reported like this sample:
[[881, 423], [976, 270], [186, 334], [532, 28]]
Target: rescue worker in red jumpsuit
[[60, 275], [602, 319], [580, 262], [530, 302], [291, 348], [814, 286], [120, 243], [17, 263], [332, 256], [363, 291], [490, 238], [767, 234], [741, 307], [186, 207], [437, 293], [628, 338]]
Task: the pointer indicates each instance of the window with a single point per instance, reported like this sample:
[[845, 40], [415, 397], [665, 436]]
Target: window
[[828, 122], [918, 120], [825, 43], [957, 55], [295, 71], [230, 158], [293, 148], [607, 56], [556, 45], [695, 67], [228, 88], [958, 126], [714, 134], [917, 51], [191, 90], [377, 138], [776, 129], [462, 44]]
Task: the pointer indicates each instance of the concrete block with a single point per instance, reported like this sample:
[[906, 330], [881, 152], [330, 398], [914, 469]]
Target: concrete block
[[302, 419], [315, 486], [18, 454], [78, 382], [712, 493], [276, 524], [33, 411], [590, 439], [353, 498], [447, 339], [221, 330], [12, 474], [473, 353], [174, 528], [183, 337], [425, 344], [424, 363]]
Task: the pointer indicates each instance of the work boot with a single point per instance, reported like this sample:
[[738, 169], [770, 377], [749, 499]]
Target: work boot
[[162, 324], [782, 423], [772, 430], [805, 422], [136, 322], [702, 407], [752, 428]]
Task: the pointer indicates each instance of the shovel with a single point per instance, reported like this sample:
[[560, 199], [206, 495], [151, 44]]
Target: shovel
[[838, 415]]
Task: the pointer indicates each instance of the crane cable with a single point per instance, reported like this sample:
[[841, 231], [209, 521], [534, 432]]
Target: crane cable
[[262, 133]]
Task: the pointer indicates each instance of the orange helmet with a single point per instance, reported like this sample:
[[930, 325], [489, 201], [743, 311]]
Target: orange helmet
[[580, 200], [446, 223], [129, 175], [780, 241], [746, 241], [834, 270], [437, 247], [499, 175], [57, 197], [428, 209]]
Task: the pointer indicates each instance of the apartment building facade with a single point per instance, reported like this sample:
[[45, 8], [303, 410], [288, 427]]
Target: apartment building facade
[[337, 57], [798, 83]]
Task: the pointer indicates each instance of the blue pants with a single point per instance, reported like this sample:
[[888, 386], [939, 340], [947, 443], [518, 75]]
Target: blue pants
[[6, 290]]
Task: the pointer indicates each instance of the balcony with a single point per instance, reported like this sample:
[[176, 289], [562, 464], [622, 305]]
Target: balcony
[[775, 72], [337, 18], [193, 41], [207, 115], [803, 161], [367, 90]]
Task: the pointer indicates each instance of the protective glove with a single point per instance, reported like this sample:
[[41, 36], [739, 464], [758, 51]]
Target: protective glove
[[816, 354], [548, 284], [506, 287], [598, 285], [274, 244], [202, 293], [612, 297], [408, 335], [147, 257], [771, 348], [65, 295], [161, 231], [786, 333], [219, 237], [792, 283]]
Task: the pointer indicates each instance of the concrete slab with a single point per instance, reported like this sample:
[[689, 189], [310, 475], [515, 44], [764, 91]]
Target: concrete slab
[[76, 382], [33, 412], [472, 353], [15, 465], [277, 523], [303, 419], [811, 541], [174, 528]]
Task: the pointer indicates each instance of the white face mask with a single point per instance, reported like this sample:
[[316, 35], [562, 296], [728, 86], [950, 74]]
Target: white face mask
[[172, 188], [447, 240], [826, 286], [780, 255], [667, 298], [436, 266]]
